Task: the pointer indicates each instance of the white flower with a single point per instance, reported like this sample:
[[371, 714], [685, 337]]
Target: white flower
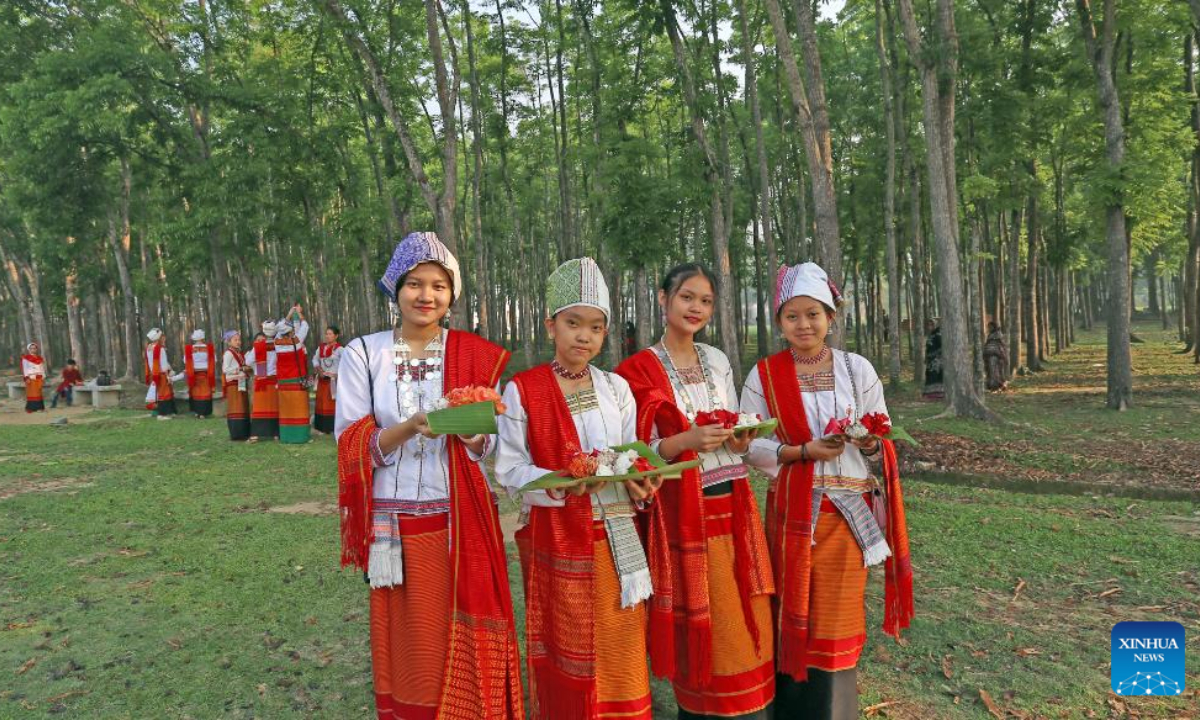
[[604, 471], [745, 419], [623, 464], [441, 404], [857, 431]]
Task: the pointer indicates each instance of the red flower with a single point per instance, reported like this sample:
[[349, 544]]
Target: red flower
[[877, 424], [582, 465], [475, 394], [642, 465], [724, 418], [838, 427]]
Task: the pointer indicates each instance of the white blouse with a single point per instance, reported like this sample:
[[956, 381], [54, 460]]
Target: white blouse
[[694, 397], [328, 366], [416, 474], [611, 420], [231, 370], [31, 369], [856, 390]]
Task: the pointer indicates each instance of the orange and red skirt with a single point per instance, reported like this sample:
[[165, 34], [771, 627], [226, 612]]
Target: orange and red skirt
[[264, 415], [619, 637], [743, 675], [237, 415], [200, 396], [164, 402], [293, 412], [837, 603], [326, 410], [410, 628], [34, 401]]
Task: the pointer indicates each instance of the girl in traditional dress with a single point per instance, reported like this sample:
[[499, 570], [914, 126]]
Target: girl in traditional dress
[[292, 369], [264, 409], [721, 573], [234, 374], [158, 375], [33, 372], [585, 571], [417, 513], [325, 362], [200, 366], [829, 517]]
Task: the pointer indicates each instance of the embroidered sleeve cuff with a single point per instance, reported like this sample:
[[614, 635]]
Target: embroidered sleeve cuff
[[378, 458]]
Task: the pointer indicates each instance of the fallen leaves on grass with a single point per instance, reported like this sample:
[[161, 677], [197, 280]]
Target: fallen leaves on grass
[[946, 670], [873, 710], [1028, 652], [1017, 591], [26, 666], [990, 704], [1109, 592]]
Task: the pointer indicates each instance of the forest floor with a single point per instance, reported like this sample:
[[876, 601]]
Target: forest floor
[[154, 569]]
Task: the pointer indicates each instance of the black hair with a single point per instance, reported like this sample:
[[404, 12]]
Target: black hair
[[678, 275], [258, 335], [71, 361], [336, 330]]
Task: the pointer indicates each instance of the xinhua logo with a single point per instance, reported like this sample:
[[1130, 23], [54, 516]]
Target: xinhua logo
[[1147, 658]]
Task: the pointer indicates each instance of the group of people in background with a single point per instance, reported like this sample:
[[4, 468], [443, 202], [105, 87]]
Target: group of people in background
[[266, 386], [33, 375], [678, 578]]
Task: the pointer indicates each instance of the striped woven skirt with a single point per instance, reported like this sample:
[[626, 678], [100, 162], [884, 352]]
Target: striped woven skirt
[[264, 416], [837, 604], [236, 412], [164, 403], [619, 634], [200, 397], [410, 628], [323, 415], [743, 676], [293, 412], [34, 401]]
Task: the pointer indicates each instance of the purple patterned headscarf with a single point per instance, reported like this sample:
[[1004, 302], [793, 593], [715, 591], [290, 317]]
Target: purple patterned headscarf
[[229, 335], [414, 249]]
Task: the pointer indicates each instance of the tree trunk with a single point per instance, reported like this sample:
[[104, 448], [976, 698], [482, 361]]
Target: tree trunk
[[937, 86], [889, 204], [714, 178], [12, 278], [482, 271], [1032, 304], [809, 105], [765, 341], [74, 323], [1100, 55]]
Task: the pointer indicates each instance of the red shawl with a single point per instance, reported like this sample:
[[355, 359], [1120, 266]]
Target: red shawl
[[482, 678], [789, 525], [189, 365], [290, 364], [154, 371], [559, 585], [680, 623], [262, 352]]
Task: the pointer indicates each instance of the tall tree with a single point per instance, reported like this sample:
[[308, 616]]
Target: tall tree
[[938, 66], [1100, 51]]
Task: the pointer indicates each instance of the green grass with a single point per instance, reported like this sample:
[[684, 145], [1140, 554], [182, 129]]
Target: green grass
[[144, 574]]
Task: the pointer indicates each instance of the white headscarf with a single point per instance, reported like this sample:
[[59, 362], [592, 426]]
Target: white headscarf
[[197, 335], [578, 283], [154, 334], [808, 280], [269, 329]]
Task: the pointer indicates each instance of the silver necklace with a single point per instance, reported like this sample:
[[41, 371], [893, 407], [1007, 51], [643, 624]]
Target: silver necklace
[[409, 372], [673, 371]]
